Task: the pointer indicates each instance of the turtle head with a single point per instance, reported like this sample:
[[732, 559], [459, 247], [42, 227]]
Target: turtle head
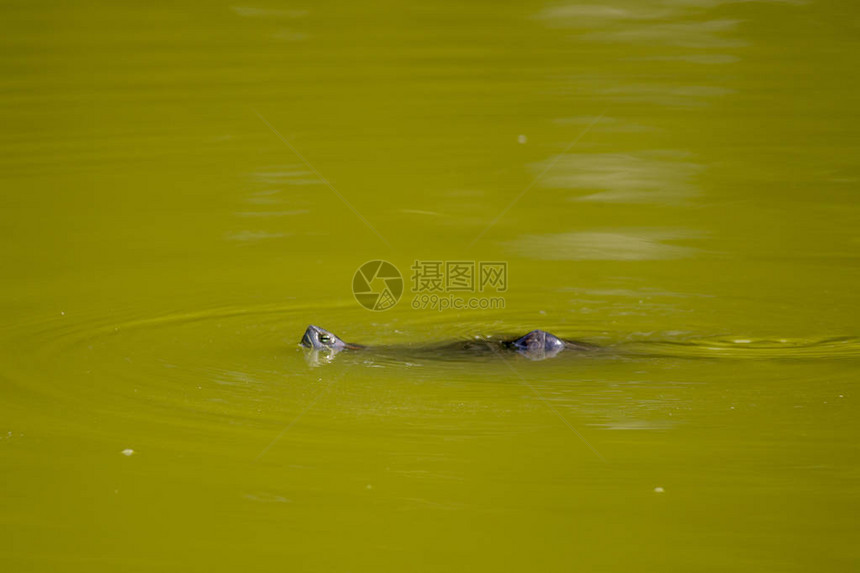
[[317, 338], [538, 344]]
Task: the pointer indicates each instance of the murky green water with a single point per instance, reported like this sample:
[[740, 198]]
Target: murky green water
[[187, 186]]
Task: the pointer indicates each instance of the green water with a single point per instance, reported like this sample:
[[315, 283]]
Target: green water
[[186, 186]]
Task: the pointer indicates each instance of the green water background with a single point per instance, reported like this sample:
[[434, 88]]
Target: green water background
[[674, 180]]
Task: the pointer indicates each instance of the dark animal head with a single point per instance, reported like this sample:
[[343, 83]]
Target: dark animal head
[[317, 338], [538, 345]]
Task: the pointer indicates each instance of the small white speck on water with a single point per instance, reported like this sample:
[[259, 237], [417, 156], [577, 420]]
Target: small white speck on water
[[742, 341], [522, 139], [841, 396], [731, 407], [369, 486], [659, 490], [62, 313], [127, 452]]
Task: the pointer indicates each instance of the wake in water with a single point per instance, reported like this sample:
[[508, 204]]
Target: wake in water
[[740, 348]]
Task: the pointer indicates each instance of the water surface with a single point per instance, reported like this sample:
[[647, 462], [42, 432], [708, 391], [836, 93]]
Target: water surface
[[186, 187]]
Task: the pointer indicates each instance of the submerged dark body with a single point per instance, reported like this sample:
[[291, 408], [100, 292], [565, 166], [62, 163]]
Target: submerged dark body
[[536, 345]]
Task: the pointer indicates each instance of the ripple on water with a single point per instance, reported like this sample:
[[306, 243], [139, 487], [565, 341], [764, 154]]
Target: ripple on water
[[236, 365], [237, 371], [233, 365], [752, 348]]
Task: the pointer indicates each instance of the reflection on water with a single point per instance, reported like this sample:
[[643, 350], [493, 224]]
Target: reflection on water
[[672, 181], [647, 244], [647, 177]]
